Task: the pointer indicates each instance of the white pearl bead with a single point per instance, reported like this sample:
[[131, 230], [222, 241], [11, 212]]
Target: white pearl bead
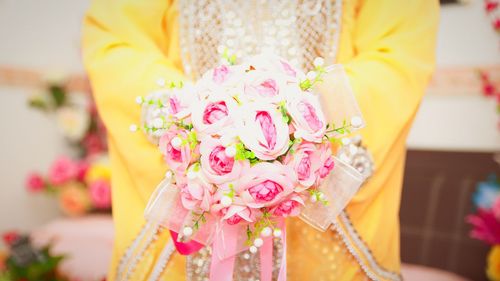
[[176, 143], [139, 100], [160, 82], [230, 151], [277, 232], [169, 174], [253, 249], [158, 123], [133, 128], [322, 196], [267, 231], [313, 198], [187, 231], [258, 242], [318, 61], [226, 201], [356, 121]]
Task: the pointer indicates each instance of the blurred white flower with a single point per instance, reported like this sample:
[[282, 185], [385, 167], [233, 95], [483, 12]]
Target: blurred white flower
[[73, 122]]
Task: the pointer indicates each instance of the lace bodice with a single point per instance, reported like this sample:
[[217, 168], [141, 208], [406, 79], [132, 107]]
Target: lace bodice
[[299, 30]]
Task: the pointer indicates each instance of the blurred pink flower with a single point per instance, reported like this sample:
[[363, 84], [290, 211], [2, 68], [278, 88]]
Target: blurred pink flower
[[496, 208], [220, 74], [81, 170], [35, 182], [100, 194], [486, 227], [62, 171], [93, 144]]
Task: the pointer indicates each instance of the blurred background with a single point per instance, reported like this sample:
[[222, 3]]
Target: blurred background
[[50, 133]]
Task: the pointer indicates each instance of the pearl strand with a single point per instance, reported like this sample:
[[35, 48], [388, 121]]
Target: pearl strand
[[161, 264]]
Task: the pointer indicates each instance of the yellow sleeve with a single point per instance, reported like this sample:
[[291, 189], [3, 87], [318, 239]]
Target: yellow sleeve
[[392, 46], [126, 49]]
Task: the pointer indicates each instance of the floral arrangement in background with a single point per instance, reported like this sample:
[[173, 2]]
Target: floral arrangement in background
[[486, 222], [491, 8], [76, 116], [24, 262], [82, 185]]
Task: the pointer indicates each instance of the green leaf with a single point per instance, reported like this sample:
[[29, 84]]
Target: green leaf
[[58, 95], [38, 104], [305, 85]]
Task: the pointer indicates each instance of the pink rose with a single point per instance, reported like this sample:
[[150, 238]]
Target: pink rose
[[326, 162], [223, 80], [216, 165], [197, 194], [263, 131], [179, 102], [288, 69], [234, 214], [176, 150], [100, 194], [214, 114], [271, 63], [265, 184], [268, 86], [220, 74], [62, 171], [307, 117], [35, 182], [304, 161], [289, 207]]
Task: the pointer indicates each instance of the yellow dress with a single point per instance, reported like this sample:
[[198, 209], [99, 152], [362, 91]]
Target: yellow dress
[[387, 48]]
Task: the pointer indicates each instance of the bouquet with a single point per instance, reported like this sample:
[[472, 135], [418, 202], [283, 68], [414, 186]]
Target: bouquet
[[82, 186], [486, 222], [247, 145]]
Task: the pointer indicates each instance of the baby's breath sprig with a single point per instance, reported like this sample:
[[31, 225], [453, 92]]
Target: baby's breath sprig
[[229, 57], [314, 76], [200, 218], [261, 228]]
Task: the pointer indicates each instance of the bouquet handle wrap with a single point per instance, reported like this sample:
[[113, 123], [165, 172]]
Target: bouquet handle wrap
[[339, 188], [337, 98]]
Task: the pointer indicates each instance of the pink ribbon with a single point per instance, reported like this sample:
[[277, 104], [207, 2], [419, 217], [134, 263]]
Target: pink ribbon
[[225, 242], [266, 260], [185, 248]]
